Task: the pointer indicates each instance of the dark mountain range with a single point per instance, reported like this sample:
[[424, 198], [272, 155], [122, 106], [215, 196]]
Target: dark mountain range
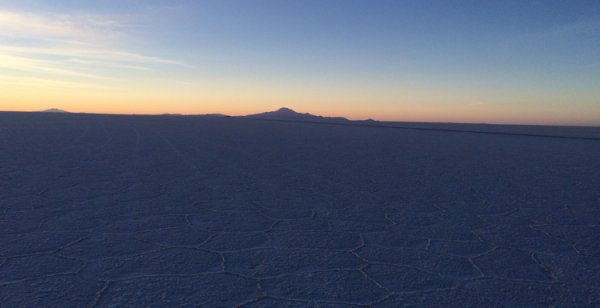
[[289, 114]]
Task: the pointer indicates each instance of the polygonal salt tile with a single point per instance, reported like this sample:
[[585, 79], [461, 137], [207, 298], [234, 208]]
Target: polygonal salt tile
[[511, 264], [73, 220], [460, 248], [445, 231], [105, 245], [316, 239], [270, 262], [367, 215], [417, 218], [528, 294], [281, 303], [285, 212], [303, 225], [36, 266], [394, 239], [336, 305], [407, 279], [179, 236], [174, 261], [29, 243], [451, 266], [22, 222], [214, 290], [333, 286], [570, 267], [237, 241], [57, 291], [129, 224], [441, 298], [357, 226], [230, 221]]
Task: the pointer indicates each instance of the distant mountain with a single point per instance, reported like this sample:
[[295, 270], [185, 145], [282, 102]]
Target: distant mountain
[[207, 115], [213, 115], [55, 110], [289, 114]]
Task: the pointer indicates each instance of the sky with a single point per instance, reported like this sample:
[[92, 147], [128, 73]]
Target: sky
[[528, 62]]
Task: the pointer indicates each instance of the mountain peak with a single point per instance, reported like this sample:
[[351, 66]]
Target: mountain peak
[[55, 110], [285, 113]]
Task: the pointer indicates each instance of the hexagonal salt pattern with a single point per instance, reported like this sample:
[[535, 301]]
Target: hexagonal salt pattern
[[118, 211]]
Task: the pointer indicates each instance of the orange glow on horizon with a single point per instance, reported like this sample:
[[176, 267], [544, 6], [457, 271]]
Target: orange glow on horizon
[[228, 108], [418, 105]]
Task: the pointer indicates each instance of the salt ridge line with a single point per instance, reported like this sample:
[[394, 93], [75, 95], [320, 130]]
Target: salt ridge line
[[427, 129]]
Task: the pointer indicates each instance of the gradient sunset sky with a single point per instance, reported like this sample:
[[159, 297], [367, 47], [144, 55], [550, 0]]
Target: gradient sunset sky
[[532, 62]]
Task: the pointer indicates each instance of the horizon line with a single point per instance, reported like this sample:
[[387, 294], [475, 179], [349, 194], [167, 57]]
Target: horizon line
[[65, 112]]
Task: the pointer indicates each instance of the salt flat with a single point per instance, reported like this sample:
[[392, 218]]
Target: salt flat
[[163, 211]]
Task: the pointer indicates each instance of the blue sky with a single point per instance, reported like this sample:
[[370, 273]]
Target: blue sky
[[462, 61]]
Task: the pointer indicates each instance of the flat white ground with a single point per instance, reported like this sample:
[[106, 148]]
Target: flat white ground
[[165, 211]]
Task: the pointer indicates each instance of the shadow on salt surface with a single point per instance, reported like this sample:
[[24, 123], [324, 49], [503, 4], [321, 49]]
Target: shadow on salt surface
[[545, 131]]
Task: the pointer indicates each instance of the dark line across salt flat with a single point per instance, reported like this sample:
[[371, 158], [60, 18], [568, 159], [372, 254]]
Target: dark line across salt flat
[[589, 133], [354, 124]]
